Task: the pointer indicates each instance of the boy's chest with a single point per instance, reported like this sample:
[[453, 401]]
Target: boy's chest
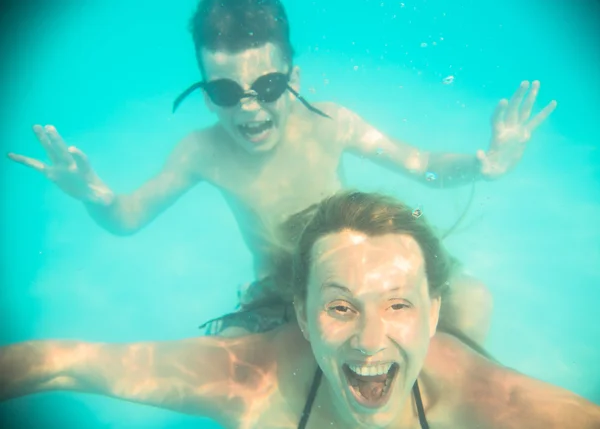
[[284, 183]]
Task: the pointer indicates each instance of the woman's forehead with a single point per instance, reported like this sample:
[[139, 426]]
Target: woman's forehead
[[346, 252], [244, 66]]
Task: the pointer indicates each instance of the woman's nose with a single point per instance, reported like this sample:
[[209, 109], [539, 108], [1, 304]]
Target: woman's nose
[[370, 339]]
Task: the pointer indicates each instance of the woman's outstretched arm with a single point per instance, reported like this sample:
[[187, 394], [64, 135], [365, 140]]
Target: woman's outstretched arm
[[204, 376]]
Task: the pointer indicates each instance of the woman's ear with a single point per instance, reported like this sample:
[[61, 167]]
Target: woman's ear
[[295, 79], [434, 315], [300, 309]]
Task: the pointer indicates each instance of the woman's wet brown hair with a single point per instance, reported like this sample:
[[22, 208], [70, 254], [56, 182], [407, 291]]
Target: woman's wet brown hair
[[371, 214]]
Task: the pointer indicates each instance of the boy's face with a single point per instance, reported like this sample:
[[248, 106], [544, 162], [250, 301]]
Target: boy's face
[[256, 126]]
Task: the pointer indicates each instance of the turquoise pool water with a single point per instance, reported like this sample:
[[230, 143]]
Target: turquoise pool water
[[105, 74]]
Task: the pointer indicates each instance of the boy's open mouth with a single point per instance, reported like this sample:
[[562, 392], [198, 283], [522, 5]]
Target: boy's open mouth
[[256, 130], [371, 384]]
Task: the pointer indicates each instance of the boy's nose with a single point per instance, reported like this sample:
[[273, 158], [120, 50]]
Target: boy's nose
[[249, 101]]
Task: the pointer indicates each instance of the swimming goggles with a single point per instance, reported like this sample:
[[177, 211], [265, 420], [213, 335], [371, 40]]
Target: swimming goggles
[[228, 93]]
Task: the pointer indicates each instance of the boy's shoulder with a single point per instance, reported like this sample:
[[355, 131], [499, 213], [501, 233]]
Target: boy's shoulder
[[204, 139], [340, 125], [334, 110], [196, 151], [200, 144]]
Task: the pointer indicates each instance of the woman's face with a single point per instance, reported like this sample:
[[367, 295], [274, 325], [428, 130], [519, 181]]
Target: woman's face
[[369, 318]]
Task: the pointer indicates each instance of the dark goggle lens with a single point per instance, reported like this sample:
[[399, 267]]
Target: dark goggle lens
[[270, 87], [225, 93]]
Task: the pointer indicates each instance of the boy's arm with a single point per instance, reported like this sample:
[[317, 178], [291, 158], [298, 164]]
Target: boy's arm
[[125, 214], [203, 376], [511, 129], [434, 169]]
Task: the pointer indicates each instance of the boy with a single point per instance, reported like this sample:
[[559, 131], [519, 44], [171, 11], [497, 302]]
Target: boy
[[271, 156]]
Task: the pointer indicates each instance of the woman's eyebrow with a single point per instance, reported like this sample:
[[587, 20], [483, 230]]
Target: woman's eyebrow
[[334, 285]]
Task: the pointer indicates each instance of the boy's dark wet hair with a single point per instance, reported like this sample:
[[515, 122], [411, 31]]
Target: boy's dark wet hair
[[236, 25]]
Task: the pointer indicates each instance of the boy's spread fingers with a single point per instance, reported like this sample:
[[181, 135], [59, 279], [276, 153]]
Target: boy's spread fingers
[[28, 162], [541, 117], [58, 145], [515, 103], [44, 140], [499, 114], [529, 102]]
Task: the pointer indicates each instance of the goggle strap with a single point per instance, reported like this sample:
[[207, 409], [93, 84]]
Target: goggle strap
[[185, 93], [307, 104]]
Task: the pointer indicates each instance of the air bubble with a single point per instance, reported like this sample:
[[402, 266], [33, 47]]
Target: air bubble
[[418, 212], [448, 80], [430, 177]]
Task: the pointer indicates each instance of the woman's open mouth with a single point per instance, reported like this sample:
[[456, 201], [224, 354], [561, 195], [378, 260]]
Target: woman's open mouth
[[371, 384]]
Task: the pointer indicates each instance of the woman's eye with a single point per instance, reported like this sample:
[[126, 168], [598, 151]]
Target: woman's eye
[[340, 310], [399, 306]]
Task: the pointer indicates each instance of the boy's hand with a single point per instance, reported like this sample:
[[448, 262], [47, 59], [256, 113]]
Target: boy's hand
[[70, 168], [512, 126]]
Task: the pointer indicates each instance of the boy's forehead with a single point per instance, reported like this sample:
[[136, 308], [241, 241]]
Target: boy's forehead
[[243, 66]]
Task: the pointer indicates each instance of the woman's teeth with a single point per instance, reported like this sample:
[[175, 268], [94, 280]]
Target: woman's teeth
[[370, 370], [371, 383]]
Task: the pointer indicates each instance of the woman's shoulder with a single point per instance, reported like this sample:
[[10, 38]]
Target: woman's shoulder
[[286, 367], [278, 352], [495, 396]]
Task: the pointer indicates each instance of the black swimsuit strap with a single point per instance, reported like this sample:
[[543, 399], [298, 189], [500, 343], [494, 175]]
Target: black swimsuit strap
[[419, 403], [311, 398], [313, 394]]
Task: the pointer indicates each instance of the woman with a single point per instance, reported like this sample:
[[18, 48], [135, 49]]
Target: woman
[[364, 353]]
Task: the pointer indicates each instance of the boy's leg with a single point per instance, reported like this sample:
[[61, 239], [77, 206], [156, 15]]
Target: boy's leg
[[466, 307]]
